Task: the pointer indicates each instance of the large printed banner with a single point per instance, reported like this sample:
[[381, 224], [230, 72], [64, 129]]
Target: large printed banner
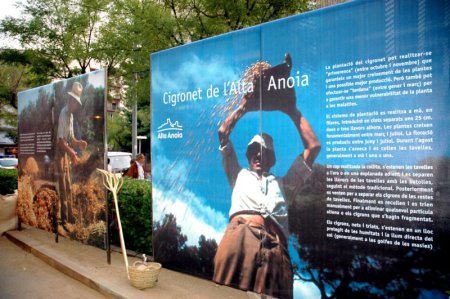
[[61, 144], [309, 157]]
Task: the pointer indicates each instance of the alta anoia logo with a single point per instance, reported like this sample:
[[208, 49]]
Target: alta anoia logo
[[170, 130]]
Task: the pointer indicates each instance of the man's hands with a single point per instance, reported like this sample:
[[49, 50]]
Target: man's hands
[[75, 159], [82, 145], [68, 149]]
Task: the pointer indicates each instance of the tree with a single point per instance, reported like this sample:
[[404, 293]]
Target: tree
[[206, 251], [193, 20], [10, 79], [119, 132], [18, 70], [168, 240], [63, 32], [170, 248]]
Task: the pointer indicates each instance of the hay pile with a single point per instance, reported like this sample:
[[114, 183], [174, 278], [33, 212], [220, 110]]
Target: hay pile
[[88, 209], [25, 200], [44, 207], [36, 209], [30, 167]]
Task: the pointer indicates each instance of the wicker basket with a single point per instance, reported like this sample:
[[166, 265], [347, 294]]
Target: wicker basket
[[144, 276]]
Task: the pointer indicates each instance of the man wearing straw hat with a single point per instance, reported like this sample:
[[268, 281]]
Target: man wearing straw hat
[[253, 253], [66, 154]]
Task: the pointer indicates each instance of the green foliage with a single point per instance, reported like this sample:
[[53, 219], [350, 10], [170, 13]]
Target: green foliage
[[19, 70], [197, 19], [8, 181], [119, 131], [34, 67], [135, 206], [10, 80], [62, 31]]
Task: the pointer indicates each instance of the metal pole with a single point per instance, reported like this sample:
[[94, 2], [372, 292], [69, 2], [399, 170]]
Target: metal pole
[[134, 120], [107, 241], [105, 162]]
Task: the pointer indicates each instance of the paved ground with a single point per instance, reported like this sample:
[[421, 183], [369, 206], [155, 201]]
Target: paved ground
[[87, 265], [23, 275]]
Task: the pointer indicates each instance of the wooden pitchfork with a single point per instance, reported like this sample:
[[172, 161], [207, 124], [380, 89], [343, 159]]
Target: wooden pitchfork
[[113, 182]]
